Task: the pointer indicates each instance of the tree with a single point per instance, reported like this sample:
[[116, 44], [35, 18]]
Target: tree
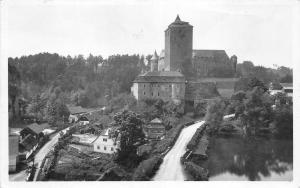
[[56, 110], [257, 109], [214, 114], [131, 131], [254, 82]]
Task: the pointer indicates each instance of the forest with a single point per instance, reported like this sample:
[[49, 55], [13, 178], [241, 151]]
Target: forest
[[44, 84]]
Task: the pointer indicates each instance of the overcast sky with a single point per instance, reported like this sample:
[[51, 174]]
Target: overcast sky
[[261, 33]]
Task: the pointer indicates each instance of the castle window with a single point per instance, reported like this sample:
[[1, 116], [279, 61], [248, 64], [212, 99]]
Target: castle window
[[104, 147], [104, 139], [152, 93], [144, 93], [98, 147], [157, 94], [112, 149]]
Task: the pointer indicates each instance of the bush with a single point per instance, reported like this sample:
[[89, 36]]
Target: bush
[[195, 139], [147, 169], [214, 114], [197, 172]]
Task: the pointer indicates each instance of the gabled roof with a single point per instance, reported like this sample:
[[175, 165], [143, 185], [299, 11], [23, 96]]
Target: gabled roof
[[286, 85], [217, 55], [161, 76], [38, 128], [156, 120], [28, 142]]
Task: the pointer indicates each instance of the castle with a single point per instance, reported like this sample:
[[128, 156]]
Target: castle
[[180, 73]]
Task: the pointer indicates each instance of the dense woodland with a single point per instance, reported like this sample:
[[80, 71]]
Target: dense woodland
[[43, 84]]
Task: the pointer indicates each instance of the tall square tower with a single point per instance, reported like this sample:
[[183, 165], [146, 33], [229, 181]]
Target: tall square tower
[[179, 47]]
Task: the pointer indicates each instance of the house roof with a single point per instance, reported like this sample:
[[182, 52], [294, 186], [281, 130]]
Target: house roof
[[28, 142], [78, 109], [161, 76], [38, 128], [156, 120], [286, 85]]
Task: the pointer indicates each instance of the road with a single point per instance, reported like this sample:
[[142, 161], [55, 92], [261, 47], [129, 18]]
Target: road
[[38, 158], [171, 168]]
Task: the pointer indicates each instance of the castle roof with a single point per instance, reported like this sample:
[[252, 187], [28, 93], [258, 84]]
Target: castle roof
[[210, 53], [217, 55], [161, 76], [155, 56], [178, 23]]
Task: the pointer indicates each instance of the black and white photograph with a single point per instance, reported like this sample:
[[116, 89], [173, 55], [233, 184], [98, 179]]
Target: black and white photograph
[[149, 91]]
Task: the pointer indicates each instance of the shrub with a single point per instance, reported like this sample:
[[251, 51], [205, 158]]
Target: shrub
[[147, 168]]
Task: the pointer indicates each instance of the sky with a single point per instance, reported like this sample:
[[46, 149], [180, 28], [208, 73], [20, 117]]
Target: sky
[[259, 32]]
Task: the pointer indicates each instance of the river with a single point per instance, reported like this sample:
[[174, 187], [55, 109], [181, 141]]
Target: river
[[249, 159], [171, 168]]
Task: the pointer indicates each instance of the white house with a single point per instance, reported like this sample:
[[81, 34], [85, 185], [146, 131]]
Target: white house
[[106, 143], [287, 88]]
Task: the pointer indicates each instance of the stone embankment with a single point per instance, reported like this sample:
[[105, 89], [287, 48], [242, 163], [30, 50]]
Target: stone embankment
[[196, 151]]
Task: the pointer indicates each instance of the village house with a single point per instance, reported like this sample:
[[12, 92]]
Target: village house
[[107, 142], [287, 88], [83, 120], [29, 139], [155, 129]]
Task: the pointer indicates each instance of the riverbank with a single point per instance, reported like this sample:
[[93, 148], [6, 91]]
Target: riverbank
[[147, 168], [171, 168]]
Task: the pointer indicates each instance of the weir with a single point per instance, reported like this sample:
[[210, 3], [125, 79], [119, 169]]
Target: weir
[[171, 168]]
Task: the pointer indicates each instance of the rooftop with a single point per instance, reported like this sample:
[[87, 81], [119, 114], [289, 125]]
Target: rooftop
[[156, 120], [38, 128], [161, 76], [178, 22]]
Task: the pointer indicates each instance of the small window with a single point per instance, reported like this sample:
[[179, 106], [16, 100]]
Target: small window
[[158, 94], [144, 85], [104, 147], [98, 147], [104, 139], [170, 85], [112, 149], [152, 93], [144, 93]]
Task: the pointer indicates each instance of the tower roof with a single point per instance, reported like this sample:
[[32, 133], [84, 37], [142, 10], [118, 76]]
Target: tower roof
[[155, 56], [177, 19], [179, 23]]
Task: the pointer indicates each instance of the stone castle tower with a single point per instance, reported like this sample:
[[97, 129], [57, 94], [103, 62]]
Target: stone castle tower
[[154, 62], [179, 47]]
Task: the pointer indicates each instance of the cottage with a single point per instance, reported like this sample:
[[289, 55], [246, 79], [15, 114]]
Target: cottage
[[155, 129], [29, 139], [287, 88], [107, 142], [83, 120], [35, 130], [13, 152]]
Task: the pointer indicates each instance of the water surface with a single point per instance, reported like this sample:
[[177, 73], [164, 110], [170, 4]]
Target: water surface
[[238, 159]]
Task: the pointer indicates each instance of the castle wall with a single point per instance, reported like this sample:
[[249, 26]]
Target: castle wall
[[164, 91]]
